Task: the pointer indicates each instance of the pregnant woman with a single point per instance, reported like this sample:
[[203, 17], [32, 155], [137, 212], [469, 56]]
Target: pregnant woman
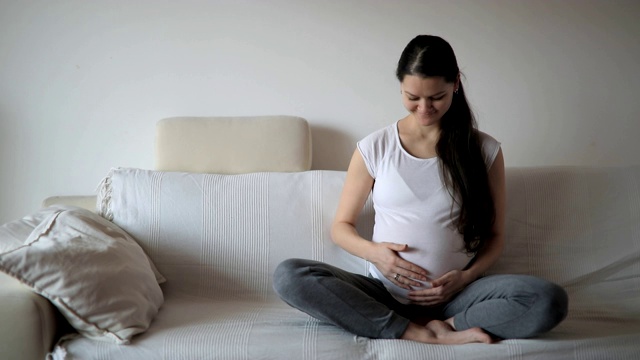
[[438, 189]]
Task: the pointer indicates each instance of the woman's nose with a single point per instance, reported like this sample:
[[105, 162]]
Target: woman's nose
[[423, 105]]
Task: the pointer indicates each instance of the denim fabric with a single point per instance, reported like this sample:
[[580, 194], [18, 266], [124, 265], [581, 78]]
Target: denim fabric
[[505, 306], [509, 306]]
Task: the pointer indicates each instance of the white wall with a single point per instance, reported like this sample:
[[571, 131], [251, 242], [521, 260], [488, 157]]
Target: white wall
[[82, 83]]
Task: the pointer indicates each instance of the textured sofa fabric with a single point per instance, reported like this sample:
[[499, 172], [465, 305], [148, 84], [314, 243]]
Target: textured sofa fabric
[[217, 240]]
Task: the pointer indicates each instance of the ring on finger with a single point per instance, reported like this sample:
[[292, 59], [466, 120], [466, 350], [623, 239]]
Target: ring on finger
[[396, 277]]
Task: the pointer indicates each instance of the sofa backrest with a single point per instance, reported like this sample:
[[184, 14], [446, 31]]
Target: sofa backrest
[[222, 235]]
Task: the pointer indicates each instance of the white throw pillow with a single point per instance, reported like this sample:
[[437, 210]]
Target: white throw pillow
[[91, 270]]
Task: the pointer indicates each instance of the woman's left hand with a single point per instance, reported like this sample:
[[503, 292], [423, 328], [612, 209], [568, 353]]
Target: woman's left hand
[[442, 289]]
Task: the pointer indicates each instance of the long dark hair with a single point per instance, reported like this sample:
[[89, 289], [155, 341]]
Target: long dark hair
[[458, 148]]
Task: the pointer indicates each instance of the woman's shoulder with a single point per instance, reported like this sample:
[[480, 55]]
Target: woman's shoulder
[[379, 137], [375, 146], [489, 147], [484, 137]]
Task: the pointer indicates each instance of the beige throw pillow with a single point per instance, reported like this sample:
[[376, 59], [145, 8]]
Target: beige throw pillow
[[14, 234], [92, 271]]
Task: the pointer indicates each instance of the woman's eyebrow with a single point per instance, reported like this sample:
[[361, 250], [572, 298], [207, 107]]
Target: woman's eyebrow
[[434, 95]]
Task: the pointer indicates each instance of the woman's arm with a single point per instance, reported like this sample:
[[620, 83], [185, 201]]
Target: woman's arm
[[454, 281], [384, 256]]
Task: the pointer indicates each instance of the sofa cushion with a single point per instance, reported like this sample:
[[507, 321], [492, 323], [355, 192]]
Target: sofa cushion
[[92, 271], [233, 145], [191, 327]]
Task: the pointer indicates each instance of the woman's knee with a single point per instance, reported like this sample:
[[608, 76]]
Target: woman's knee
[[291, 274], [288, 266], [554, 303], [285, 273], [542, 305], [549, 308]]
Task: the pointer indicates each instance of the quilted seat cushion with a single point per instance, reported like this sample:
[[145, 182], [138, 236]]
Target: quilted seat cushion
[[190, 327]]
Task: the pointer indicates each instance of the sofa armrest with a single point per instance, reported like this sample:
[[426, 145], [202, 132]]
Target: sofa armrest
[[27, 322], [86, 202]]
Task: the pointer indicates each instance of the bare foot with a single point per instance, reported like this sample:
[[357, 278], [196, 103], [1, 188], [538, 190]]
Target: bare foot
[[451, 323], [439, 332]]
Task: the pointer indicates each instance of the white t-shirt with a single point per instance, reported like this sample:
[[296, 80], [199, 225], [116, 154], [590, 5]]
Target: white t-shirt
[[413, 207]]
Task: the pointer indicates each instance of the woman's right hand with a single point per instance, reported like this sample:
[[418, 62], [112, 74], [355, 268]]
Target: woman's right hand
[[398, 270]]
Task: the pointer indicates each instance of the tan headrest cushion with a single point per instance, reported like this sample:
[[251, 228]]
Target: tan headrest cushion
[[233, 145]]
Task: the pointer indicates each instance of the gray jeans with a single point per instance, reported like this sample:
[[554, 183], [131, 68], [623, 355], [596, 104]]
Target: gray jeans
[[505, 306]]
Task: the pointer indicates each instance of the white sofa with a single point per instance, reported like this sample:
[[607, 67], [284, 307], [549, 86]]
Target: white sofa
[[217, 239]]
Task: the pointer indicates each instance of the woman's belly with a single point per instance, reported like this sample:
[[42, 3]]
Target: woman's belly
[[434, 248]]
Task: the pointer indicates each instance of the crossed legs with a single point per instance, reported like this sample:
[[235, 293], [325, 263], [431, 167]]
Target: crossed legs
[[506, 306]]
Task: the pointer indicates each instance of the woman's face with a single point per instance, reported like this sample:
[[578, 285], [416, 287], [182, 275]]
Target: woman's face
[[427, 99]]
